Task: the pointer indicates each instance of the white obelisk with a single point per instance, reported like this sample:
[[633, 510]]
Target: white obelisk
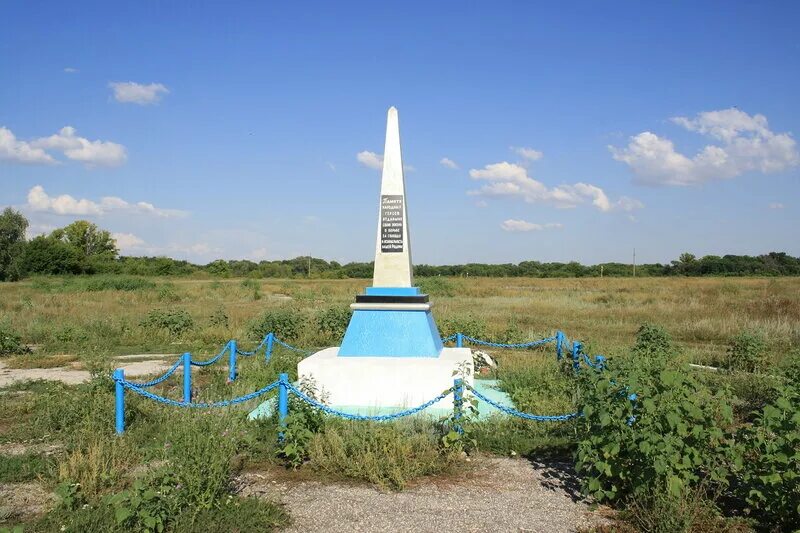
[[393, 246]]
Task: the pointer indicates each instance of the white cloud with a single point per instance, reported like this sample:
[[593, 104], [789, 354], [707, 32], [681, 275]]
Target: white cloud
[[91, 153], [39, 200], [70, 70], [522, 225], [776, 205], [129, 92], [447, 162], [12, 149], [747, 145], [375, 161], [370, 159], [127, 241], [509, 179], [527, 153]]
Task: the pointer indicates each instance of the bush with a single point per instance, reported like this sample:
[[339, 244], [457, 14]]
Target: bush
[[118, 283], [302, 423], [771, 473], [285, 322], [176, 321], [648, 426], [436, 286], [746, 352], [468, 325], [332, 322], [10, 340]]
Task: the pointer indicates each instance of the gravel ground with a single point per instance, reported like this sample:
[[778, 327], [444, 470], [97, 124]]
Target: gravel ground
[[21, 501], [72, 376], [498, 494]]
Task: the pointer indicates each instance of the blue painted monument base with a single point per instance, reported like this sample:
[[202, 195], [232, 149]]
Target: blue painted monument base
[[398, 325]]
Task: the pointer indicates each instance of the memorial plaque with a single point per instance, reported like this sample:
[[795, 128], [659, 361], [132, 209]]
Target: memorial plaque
[[392, 223]]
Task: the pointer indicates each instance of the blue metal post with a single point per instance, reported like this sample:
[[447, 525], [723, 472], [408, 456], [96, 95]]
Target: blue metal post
[[459, 340], [119, 391], [559, 344], [458, 403], [283, 402], [576, 351], [270, 340], [187, 377], [232, 361]]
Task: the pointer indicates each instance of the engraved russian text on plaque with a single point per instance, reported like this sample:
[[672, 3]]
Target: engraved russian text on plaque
[[391, 223]]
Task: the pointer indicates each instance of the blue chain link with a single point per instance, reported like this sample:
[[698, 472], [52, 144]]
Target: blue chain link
[[213, 359], [290, 347], [158, 380], [379, 418], [451, 338], [502, 345], [224, 403], [520, 414], [255, 350]]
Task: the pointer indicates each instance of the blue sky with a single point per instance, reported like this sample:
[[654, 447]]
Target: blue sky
[[570, 131]]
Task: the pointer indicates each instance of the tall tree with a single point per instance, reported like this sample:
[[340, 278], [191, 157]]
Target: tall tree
[[12, 244], [88, 239]]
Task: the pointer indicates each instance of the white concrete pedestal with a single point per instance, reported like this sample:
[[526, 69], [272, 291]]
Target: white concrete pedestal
[[376, 382]]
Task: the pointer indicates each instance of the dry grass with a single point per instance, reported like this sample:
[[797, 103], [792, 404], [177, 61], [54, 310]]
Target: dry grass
[[701, 313]]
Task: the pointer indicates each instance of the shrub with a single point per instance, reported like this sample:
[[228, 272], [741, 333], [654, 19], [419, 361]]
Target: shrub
[[332, 322], [146, 507], [285, 322], [468, 325], [302, 423], [175, 321], [117, 283], [10, 340], [167, 293], [436, 286], [746, 352], [219, 317], [771, 473], [648, 426]]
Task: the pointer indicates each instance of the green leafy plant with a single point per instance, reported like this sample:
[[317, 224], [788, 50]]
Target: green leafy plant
[[468, 325], [70, 495], [145, 507], [746, 352], [10, 340], [457, 429], [436, 286], [285, 322], [302, 423], [219, 317], [648, 425], [771, 472], [332, 322], [175, 321]]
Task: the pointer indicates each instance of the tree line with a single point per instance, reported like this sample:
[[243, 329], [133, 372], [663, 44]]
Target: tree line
[[83, 248]]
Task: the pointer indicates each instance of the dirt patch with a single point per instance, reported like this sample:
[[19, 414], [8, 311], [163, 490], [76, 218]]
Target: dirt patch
[[23, 448], [72, 376], [22, 501], [498, 494]]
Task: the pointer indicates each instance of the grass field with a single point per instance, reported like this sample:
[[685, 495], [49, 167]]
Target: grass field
[[69, 316], [103, 482]]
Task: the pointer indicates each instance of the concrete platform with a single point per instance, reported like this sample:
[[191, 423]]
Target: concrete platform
[[381, 382]]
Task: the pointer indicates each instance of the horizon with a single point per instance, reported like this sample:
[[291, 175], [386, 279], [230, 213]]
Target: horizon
[[529, 133]]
